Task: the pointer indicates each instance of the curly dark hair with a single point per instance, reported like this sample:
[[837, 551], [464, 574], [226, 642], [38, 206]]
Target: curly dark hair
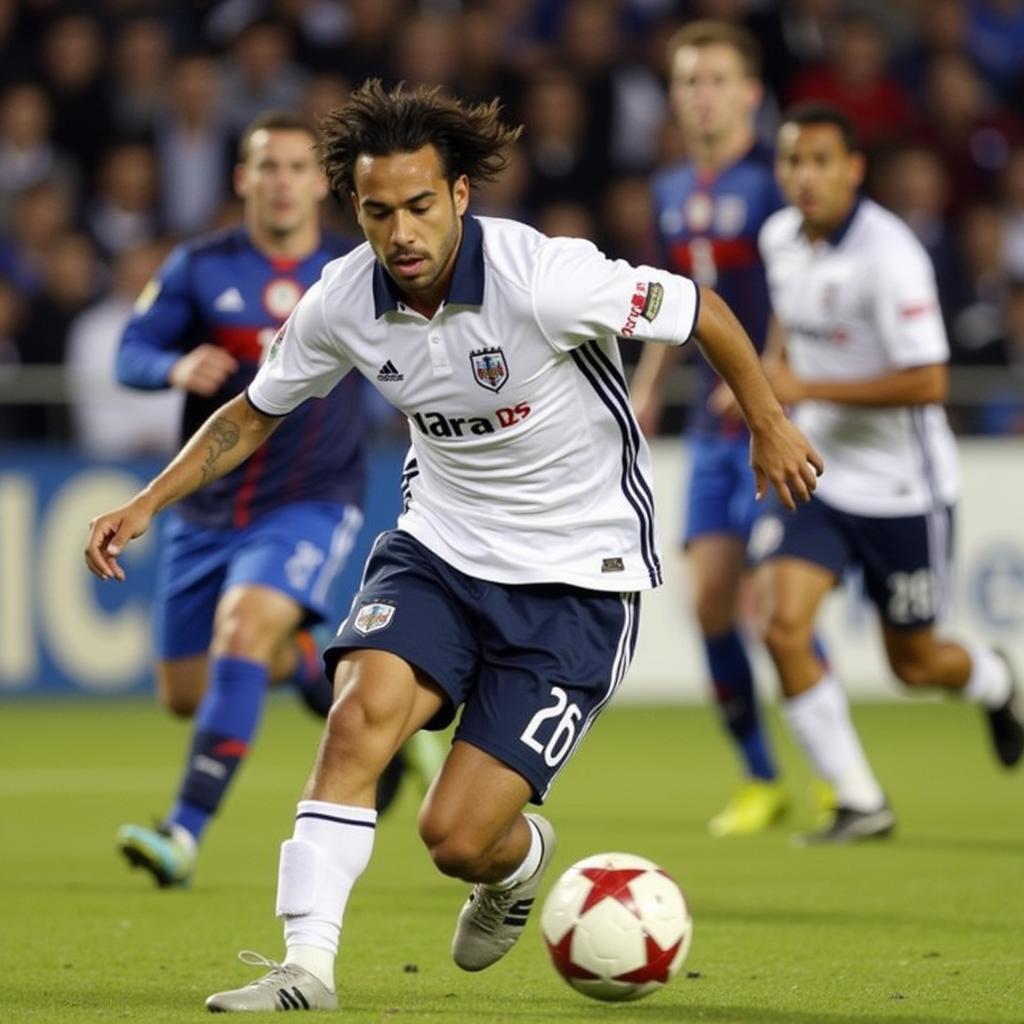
[[471, 140], [815, 112]]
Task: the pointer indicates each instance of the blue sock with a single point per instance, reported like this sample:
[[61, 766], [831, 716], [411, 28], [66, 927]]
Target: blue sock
[[225, 723], [733, 682]]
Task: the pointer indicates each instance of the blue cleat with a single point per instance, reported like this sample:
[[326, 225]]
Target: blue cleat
[[166, 857]]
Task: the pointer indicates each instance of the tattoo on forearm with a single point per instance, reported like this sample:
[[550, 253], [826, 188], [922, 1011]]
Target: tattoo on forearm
[[221, 436]]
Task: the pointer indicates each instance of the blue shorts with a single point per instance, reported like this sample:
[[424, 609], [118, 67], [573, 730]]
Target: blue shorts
[[532, 665], [297, 549], [721, 496], [905, 560]]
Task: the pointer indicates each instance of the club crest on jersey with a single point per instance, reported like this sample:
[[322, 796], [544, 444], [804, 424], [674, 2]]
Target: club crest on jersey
[[270, 341], [280, 296], [645, 302], [489, 368], [730, 215], [698, 211], [372, 617]]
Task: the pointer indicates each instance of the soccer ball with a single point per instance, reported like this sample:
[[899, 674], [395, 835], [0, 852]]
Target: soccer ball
[[617, 927]]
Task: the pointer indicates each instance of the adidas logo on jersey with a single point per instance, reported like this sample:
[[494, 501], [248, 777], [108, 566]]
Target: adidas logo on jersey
[[229, 301], [389, 374]]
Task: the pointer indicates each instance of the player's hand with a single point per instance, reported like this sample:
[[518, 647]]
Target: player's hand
[[784, 459], [110, 532], [203, 371], [788, 387]]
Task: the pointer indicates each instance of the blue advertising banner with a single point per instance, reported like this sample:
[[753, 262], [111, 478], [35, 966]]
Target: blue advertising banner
[[62, 630]]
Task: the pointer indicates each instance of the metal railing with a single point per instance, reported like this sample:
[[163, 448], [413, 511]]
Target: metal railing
[[973, 390]]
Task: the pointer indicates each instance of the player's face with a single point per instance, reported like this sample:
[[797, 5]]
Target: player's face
[[281, 181], [411, 217], [711, 94], [818, 174]]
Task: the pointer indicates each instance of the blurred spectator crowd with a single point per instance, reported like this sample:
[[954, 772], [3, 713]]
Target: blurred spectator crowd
[[119, 118]]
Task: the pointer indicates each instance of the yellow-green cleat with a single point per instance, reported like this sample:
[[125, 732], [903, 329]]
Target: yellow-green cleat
[[755, 806]]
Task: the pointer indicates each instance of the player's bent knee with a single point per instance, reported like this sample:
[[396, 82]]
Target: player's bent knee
[[715, 611], [250, 637], [179, 705], [911, 670], [785, 638], [178, 692], [456, 854]]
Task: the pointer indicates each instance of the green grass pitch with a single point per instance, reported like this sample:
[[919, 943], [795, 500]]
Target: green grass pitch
[[927, 927]]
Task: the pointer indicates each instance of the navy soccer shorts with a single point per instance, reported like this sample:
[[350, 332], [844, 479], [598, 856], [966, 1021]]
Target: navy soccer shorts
[[904, 559], [296, 549], [531, 665], [720, 495]]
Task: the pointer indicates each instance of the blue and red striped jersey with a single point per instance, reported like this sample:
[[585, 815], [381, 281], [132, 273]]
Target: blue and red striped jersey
[[220, 289], [708, 228]]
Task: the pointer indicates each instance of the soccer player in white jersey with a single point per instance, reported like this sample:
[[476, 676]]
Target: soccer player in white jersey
[[864, 365], [510, 588]]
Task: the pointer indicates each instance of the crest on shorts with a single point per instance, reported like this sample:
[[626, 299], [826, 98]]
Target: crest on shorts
[[765, 537], [489, 368], [372, 617]]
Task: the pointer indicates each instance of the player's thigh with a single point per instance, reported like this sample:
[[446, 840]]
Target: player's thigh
[[297, 551], [553, 657], [181, 683], [792, 590], [414, 606], [191, 568], [716, 563]]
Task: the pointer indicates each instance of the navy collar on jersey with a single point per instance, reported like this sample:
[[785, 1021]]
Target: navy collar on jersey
[[836, 236], [467, 284]]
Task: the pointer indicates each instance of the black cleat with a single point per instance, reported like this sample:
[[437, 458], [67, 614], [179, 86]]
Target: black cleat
[[850, 826], [1005, 723]]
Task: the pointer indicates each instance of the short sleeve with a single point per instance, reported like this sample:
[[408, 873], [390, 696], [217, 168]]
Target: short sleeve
[[907, 307], [580, 294], [303, 361]]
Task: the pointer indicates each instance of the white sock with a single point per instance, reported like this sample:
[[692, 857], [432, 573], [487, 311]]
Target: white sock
[[820, 722], [529, 864], [328, 851], [989, 681]]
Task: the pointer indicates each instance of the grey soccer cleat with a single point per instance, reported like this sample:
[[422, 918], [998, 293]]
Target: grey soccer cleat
[[160, 852], [850, 826], [283, 987], [491, 921]]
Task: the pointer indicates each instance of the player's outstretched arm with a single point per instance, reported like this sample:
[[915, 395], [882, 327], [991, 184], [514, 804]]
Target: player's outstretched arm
[[779, 453], [223, 442]]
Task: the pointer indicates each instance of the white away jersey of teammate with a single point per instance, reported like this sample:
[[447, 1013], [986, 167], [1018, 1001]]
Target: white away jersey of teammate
[[861, 304], [526, 462]]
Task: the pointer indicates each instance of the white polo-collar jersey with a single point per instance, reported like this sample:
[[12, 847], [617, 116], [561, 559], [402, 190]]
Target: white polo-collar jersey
[[860, 304], [526, 463]]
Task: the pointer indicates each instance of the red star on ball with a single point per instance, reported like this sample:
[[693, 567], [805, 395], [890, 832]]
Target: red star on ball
[[610, 884], [561, 956], [658, 963]]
